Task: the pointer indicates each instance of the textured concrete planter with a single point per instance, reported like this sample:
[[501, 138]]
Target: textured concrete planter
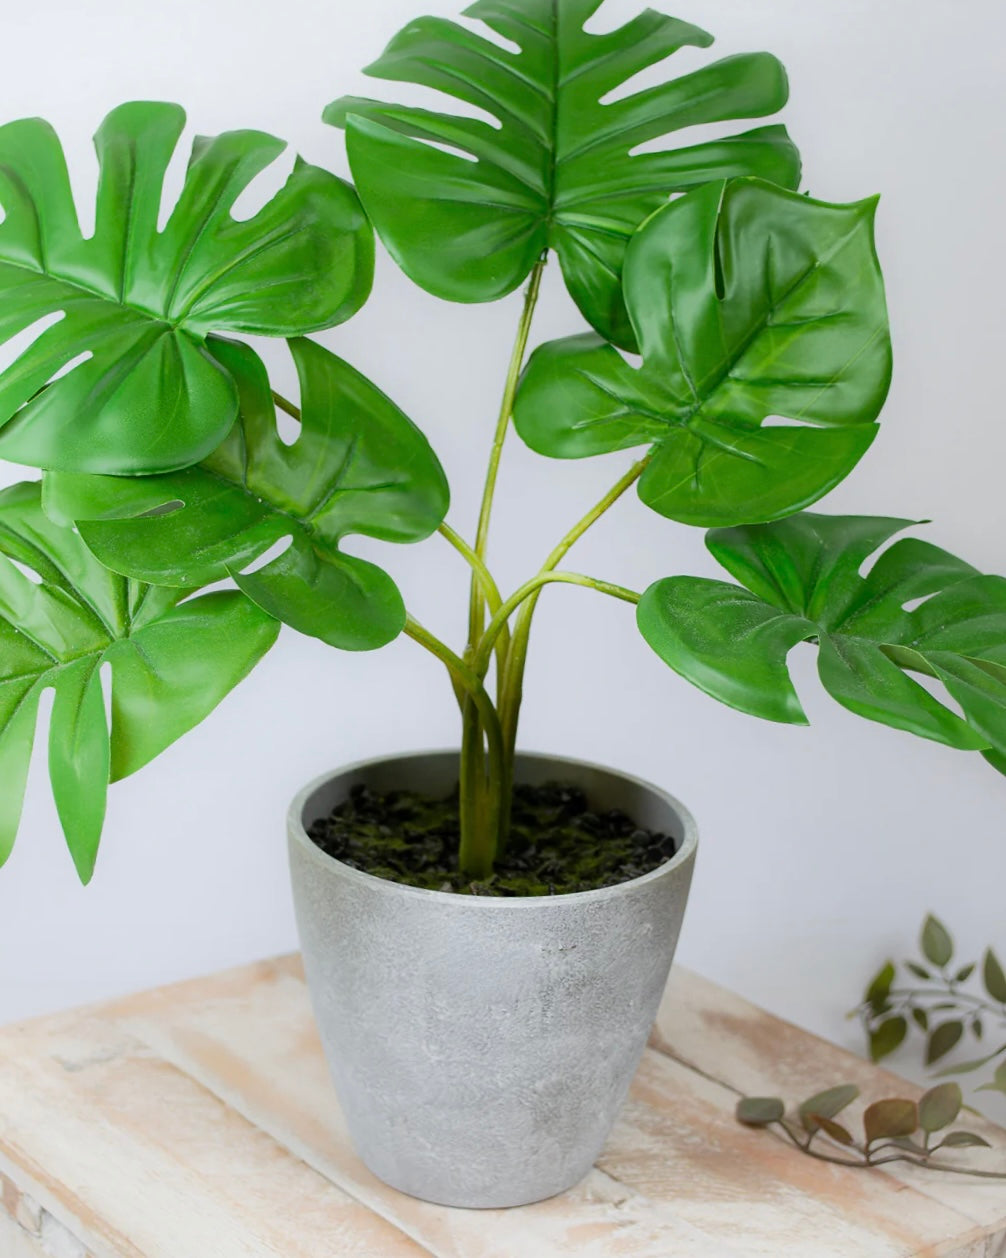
[[482, 1047]]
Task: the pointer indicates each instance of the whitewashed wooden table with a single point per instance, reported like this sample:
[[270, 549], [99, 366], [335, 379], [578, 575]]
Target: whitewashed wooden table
[[198, 1121]]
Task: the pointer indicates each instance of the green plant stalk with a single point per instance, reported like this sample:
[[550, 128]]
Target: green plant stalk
[[483, 788], [499, 789], [476, 803], [475, 856], [286, 405], [512, 688], [497, 626], [477, 606], [490, 590], [511, 685]]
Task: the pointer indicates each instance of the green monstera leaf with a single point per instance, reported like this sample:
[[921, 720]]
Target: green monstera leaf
[[802, 581], [750, 303], [140, 391], [466, 207], [358, 466], [62, 617]]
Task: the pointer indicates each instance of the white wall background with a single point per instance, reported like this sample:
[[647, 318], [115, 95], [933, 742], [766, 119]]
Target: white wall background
[[823, 848]]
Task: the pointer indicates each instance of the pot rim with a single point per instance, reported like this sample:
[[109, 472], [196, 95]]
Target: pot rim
[[488, 903]]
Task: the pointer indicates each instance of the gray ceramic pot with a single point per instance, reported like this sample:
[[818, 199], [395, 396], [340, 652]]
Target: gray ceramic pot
[[481, 1047]]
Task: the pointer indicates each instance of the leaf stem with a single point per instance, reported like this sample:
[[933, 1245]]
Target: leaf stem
[[497, 625], [476, 857], [978, 1003], [485, 795], [490, 589], [868, 1160], [286, 405], [594, 514], [804, 1147], [476, 608], [512, 687]]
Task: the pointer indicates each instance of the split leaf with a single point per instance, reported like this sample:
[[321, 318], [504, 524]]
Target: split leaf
[[802, 581], [172, 659], [138, 303], [466, 206], [358, 466], [749, 304]]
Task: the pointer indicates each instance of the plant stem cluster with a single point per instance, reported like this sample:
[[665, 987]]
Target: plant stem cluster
[[499, 631]]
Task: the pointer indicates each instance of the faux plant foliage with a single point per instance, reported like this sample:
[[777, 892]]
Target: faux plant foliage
[[172, 661], [139, 302], [758, 316], [895, 1129], [943, 1000], [466, 206], [358, 466], [749, 303], [801, 580]]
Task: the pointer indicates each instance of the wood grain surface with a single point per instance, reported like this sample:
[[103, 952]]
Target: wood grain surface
[[198, 1121]]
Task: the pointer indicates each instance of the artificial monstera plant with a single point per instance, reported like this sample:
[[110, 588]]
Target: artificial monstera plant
[[737, 341]]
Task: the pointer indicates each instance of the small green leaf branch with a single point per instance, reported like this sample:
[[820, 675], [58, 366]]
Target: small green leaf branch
[[943, 1000], [895, 1129]]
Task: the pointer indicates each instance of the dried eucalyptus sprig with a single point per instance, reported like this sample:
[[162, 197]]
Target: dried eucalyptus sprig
[[941, 1000], [895, 1129]]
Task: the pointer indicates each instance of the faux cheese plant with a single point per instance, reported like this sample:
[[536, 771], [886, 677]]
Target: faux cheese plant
[[735, 339]]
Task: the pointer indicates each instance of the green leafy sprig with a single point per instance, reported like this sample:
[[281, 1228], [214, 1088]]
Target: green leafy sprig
[[895, 1129], [942, 999]]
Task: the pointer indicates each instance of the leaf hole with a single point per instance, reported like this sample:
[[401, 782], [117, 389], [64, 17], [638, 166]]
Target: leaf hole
[[26, 570], [687, 59], [866, 567], [782, 421], [417, 96], [274, 552], [22, 341], [83, 182], [288, 427], [913, 604], [105, 680], [266, 185], [452, 149], [486, 32], [162, 508], [631, 359], [225, 583], [278, 360], [83, 357], [173, 183], [689, 137], [934, 687]]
